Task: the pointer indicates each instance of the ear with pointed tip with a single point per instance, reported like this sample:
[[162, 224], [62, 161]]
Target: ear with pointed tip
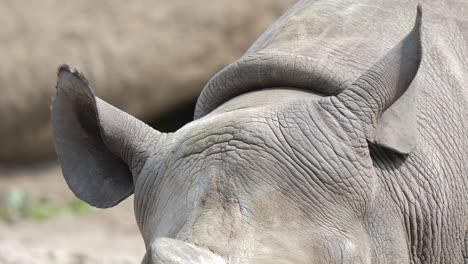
[[100, 148], [384, 97]]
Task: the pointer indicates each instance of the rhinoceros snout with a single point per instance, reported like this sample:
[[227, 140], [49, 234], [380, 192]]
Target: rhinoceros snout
[[170, 251]]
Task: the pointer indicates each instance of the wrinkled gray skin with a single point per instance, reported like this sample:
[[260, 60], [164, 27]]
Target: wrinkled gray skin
[[338, 138]]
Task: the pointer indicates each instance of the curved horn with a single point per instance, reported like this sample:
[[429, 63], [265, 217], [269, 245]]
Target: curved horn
[[170, 251]]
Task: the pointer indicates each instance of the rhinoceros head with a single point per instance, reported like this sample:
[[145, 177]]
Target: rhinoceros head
[[272, 176]]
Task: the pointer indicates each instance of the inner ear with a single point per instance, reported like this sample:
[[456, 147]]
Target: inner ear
[[86, 116], [397, 128]]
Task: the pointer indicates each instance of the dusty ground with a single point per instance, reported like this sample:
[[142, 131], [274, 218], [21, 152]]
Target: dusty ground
[[102, 236]]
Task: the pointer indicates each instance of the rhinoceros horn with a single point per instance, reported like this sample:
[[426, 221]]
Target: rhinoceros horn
[[171, 251]]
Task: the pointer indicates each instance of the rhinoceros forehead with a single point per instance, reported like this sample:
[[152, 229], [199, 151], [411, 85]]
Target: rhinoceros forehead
[[315, 46]]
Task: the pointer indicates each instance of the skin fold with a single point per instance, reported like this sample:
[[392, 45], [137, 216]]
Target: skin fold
[[293, 158]]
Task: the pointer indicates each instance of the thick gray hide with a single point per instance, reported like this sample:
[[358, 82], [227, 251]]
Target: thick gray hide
[[323, 46], [356, 154]]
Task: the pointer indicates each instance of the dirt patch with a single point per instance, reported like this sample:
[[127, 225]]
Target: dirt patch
[[103, 236]]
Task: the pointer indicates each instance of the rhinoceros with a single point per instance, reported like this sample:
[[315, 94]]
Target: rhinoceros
[[339, 137]]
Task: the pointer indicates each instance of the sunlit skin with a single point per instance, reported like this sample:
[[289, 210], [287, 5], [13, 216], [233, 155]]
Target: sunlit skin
[[370, 171]]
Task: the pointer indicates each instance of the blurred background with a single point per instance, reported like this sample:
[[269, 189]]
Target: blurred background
[[149, 58]]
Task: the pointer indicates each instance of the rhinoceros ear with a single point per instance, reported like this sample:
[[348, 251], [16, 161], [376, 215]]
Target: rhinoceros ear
[[384, 97], [99, 147]]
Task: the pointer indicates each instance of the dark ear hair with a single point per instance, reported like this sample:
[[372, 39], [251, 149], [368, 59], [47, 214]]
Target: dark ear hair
[[384, 97], [97, 144]]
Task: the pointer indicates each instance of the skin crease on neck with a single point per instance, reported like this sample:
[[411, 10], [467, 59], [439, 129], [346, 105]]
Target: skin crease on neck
[[264, 97]]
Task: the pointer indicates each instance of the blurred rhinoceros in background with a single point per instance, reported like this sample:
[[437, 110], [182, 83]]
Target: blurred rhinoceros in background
[[146, 57]]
